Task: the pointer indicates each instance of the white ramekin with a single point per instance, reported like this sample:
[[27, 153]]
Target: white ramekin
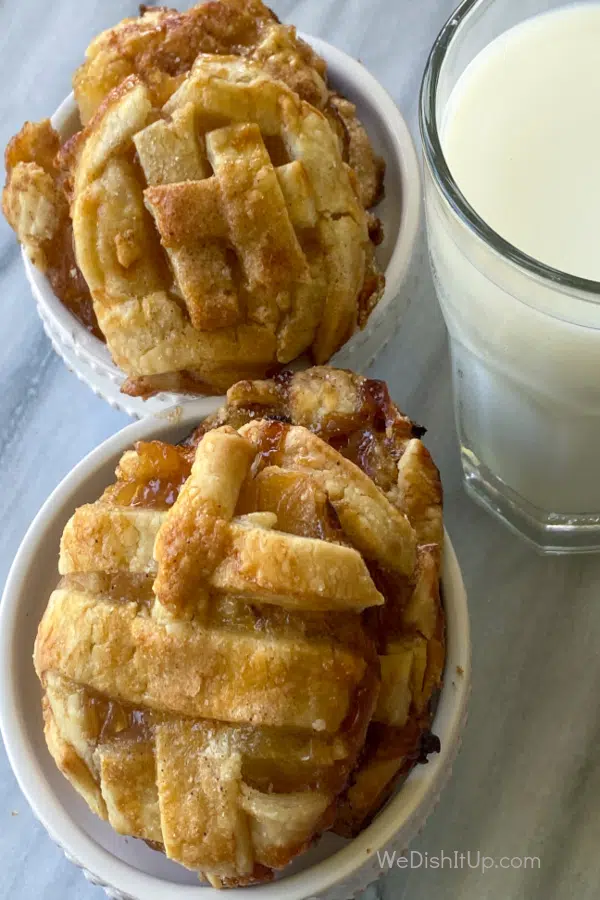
[[335, 869], [399, 211]]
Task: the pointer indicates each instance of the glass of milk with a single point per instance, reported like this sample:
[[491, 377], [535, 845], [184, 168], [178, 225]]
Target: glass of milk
[[510, 121]]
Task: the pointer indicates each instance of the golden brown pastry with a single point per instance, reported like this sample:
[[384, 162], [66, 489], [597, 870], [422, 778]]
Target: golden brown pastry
[[161, 45], [232, 243], [215, 238], [37, 208], [208, 677], [356, 416], [242, 619], [208, 222]]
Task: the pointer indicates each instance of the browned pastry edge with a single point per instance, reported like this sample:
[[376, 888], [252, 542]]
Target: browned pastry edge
[[35, 202]]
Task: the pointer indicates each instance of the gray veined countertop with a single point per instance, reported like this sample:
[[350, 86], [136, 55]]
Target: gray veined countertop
[[527, 781]]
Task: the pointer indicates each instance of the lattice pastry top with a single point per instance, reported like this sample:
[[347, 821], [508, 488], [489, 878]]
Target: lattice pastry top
[[232, 242], [208, 681], [209, 658], [160, 46], [198, 286]]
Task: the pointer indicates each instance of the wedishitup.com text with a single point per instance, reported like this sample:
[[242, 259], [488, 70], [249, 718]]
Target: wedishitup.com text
[[456, 859]]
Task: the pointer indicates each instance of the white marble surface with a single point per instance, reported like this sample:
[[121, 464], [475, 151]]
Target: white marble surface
[[528, 779]]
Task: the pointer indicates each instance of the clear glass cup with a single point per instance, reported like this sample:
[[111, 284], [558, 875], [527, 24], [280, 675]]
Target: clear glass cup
[[524, 337]]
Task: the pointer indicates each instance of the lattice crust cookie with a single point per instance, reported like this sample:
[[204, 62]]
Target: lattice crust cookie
[[243, 618], [208, 678], [160, 46], [334, 280], [356, 416], [220, 237], [243, 186]]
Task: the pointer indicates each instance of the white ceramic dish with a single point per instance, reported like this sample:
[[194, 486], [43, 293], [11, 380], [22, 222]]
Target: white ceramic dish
[[334, 869], [399, 213]]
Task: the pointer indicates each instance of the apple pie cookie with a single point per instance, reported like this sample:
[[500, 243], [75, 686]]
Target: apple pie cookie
[[233, 241], [208, 678], [244, 624], [210, 220], [220, 236]]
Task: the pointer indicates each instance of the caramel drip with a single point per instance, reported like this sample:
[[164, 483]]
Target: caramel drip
[[163, 471], [68, 283]]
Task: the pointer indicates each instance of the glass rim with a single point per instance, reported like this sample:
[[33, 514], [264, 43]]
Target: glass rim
[[434, 157]]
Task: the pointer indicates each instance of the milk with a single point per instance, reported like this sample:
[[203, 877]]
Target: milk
[[521, 136]]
